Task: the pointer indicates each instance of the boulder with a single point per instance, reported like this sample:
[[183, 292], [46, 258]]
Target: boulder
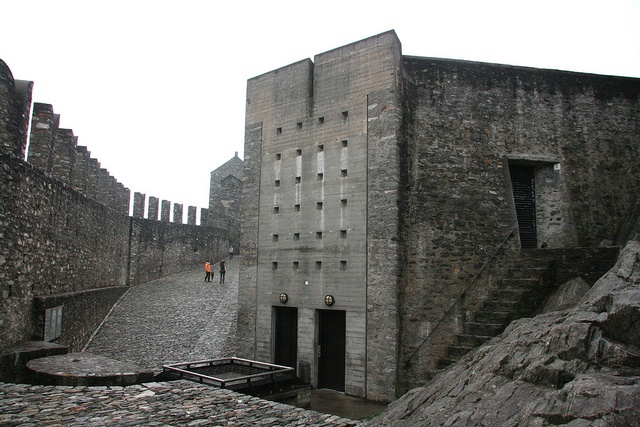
[[577, 367]]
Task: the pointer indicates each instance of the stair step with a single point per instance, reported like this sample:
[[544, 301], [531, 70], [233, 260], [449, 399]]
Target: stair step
[[506, 295], [500, 306], [501, 317], [456, 351], [483, 328], [524, 272], [466, 340], [519, 284]]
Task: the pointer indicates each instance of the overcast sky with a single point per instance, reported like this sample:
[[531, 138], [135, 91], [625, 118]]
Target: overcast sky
[[156, 89]]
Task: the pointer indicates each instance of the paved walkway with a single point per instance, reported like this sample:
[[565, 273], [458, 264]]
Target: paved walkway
[[175, 319], [179, 318]]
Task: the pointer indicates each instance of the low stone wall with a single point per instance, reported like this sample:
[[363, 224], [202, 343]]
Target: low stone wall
[[82, 313]]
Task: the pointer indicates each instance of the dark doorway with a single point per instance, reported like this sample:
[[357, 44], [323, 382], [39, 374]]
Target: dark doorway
[[524, 196], [286, 336], [331, 351]]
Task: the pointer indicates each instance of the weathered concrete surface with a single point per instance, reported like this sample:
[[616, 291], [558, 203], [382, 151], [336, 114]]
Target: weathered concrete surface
[[577, 367]]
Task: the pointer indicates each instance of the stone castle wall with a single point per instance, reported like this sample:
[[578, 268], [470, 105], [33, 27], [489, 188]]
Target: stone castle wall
[[467, 124], [66, 238]]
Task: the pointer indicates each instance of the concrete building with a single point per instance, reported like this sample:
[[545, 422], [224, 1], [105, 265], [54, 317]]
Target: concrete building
[[378, 187]]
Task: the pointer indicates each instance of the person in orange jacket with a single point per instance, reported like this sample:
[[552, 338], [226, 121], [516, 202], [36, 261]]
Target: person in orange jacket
[[207, 270]]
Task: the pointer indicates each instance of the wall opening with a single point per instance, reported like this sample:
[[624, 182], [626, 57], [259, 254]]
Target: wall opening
[[524, 197]]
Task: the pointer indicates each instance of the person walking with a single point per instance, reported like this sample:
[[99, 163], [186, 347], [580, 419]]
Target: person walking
[[207, 271], [223, 270]]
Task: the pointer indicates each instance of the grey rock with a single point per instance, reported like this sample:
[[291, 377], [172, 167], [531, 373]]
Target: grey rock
[[567, 295], [575, 367]]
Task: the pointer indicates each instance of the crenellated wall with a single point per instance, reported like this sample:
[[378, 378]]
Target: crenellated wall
[[65, 235], [56, 152], [15, 105]]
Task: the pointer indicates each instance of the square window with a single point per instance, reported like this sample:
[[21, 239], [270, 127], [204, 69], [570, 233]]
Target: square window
[[318, 234], [277, 183], [343, 173], [320, 176], [275, 237], [318, 265], [345, 143], [276, 209], [343, 234], [320, 120], [297, 208], [274, 265], [319, 206], [296, 236], [296, 264], [320, 147], [299, 125], [278, 156], [343, 265], [278, 131], [343, 203], [298, 179], [298, 152], [345, 116]]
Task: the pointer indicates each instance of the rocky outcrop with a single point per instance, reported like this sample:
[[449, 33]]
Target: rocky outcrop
[[577, 367]]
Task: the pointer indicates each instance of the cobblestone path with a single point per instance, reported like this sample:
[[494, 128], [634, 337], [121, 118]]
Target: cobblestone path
[[175, 319], [179, 318]]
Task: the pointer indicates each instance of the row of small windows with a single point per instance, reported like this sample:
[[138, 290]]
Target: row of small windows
[[296, 265], [320, 177], [321, 121], [320, 147], [296, 236], [319, 206]]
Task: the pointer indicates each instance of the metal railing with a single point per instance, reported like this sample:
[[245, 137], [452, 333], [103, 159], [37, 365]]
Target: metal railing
[[227, 372]]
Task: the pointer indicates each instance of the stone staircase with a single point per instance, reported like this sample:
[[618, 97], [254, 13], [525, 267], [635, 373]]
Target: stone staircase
[[512, 298], [522, 291]]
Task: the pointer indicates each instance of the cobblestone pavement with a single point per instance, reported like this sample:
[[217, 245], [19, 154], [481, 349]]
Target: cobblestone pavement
[[175, 319], [178, 318], [176, 403]]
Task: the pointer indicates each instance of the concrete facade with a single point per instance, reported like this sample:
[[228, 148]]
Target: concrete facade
[[319, 138], [390, 182]]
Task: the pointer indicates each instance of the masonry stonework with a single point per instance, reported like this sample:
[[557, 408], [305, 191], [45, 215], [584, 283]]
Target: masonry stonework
[[225, 196]]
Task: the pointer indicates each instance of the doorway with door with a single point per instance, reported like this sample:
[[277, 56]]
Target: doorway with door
[[331, 349]]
